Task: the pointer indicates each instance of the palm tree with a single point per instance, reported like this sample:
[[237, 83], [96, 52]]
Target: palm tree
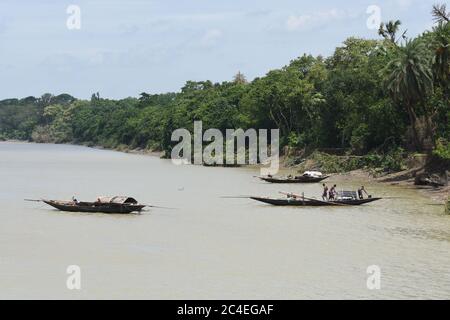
[[389, 30], [409, 79], [440, 46]]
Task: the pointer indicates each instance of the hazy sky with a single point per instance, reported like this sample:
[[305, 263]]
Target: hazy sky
[[126, 47]]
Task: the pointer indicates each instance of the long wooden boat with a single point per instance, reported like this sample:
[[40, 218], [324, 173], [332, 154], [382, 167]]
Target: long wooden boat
[[114, 205], [299, 179], [298, 202]]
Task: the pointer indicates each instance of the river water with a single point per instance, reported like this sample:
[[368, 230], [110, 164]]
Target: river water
[[210, 247]]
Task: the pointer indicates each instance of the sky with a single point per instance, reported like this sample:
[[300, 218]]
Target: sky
[[125, 47]]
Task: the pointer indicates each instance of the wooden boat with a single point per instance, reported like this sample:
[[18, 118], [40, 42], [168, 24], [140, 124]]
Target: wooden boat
[[111, 205], [344, 198], [224, 165], [298, 179], [298, 202]]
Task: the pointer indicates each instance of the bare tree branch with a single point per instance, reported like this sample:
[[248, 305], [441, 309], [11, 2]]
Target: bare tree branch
[[440, 13]]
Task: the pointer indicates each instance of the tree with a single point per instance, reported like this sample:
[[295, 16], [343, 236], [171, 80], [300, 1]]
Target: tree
[[239, 78], [358, 114], [285, 99], [95, 97], [409, 79], [440, 13], [45, 100], [440, 45], [389, 30]]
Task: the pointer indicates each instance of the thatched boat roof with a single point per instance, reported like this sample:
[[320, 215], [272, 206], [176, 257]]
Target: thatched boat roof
[[117, 200]]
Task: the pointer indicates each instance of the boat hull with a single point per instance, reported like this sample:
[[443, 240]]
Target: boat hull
[[92, 207], [312, 202], [297, 180]]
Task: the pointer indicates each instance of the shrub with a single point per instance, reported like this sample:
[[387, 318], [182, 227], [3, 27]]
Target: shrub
[[442, 150], [391, 162]]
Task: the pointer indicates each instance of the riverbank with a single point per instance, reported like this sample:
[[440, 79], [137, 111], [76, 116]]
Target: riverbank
[[410, 169], [404, 178], [125, 149], [436, 194]]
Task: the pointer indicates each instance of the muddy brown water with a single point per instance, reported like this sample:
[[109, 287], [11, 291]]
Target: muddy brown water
[[210, 247]]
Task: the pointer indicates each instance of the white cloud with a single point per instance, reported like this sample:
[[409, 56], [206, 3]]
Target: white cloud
[[306, 21]]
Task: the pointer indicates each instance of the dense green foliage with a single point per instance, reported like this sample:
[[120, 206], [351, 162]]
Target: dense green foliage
[[371, 97]]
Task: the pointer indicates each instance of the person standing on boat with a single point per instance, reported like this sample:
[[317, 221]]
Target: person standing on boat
[[74, 200], [325, 192], [360, 193], [332, 193]]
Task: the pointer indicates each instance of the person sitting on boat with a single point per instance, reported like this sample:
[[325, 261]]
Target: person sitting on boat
[[360, 193], [332, 193], [325, 192], [290, 177], [290, 197], [74, 200]]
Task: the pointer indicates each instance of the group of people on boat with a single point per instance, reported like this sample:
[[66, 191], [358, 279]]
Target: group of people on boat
[[329, 194]]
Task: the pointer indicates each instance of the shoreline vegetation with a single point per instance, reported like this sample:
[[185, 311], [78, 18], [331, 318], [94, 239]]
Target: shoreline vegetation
[[376, 107], [404, 178]]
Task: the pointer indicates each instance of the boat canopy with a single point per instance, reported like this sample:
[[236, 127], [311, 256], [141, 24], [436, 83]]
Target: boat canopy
[[347, 195], [313, 174], [117, 200]]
